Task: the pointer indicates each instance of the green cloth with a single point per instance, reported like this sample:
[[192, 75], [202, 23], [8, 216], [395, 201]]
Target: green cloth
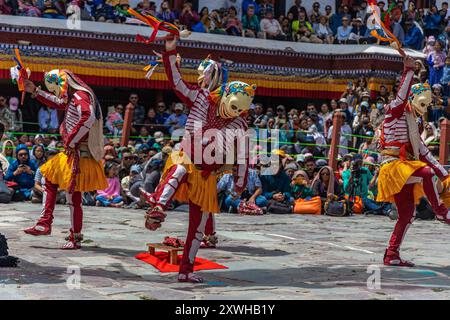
[[366, 177], [252, 24], [301, 191]]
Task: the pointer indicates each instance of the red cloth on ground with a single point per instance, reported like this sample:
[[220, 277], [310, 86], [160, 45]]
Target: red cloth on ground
[[161, 262]]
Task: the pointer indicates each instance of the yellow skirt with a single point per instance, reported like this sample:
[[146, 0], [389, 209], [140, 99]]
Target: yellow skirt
[[91, 177], [393, 177], [201, 191], [445, 195]]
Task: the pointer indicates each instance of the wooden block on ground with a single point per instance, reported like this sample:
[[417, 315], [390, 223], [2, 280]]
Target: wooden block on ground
[[173, 252]]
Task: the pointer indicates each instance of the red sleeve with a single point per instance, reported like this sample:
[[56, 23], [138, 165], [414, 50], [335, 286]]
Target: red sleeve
[[50, 100], [186, 92]]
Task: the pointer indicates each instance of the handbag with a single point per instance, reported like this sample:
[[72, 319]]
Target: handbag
[[336, 208], [279, 207], [308, 206], [356, 204], [248, 208]]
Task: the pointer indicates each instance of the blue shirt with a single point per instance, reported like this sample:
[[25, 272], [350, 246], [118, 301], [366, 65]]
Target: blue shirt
[[414, 39], [226, 183], [343, 34], [48, 118], [180, 121]]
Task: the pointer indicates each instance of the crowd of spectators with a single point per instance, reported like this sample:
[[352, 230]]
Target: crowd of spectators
[[304, 133], [248, 18]]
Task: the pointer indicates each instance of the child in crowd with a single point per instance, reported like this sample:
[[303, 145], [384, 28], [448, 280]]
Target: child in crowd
[[110, 197]]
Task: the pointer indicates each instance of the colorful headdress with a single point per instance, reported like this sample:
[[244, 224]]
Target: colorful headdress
[[56, 82], [236, 99], [378, 29], [212, 74]]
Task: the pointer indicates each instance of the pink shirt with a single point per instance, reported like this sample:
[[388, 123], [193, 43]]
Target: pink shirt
[[112, 190]]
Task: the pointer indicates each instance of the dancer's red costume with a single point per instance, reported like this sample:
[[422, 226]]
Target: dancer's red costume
[[78, 169], [188, 175], [407, 163]]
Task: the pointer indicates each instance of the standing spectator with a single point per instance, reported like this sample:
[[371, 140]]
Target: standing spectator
[[432, 21], [272, 27], [48, 119], [233, 25], [323, 31], [362, 11], [5, 113], [138, 112], [328, 12], [22, 172], [16, 115], [396, 27], [345, 137], [251, 23], [436, 61], [151, 121], [445, 80], [265, 6], [414, 36], [237, 4], [377, 114], [336, 19], [260, 118], [161, 114], [188, 16], [165, 12], [315, 13], [176, 120], [420, 71], [343, 32], [296, 9], [429, 134], [248, 3]]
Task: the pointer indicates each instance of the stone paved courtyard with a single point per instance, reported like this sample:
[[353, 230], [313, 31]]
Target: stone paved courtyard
[[269, 257]]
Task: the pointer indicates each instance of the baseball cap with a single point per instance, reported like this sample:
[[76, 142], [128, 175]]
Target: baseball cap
[[300, 158], [135, 168], [179, 106], [343, 100]]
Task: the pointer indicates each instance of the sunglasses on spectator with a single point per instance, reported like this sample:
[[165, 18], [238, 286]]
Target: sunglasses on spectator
[[325, 174], [22, 154]]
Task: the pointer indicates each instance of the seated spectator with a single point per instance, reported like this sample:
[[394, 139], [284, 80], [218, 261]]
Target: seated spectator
[[188, 16], [323, 31], [414, 36], [345, 136], [276, 184], [144, 136], [445, 80], [151, 121], [325, 185], [29, 8], [50, 10], [300, 185], [250, 3], [252, 192], [315, 13], [4, 164], [430, 136], [161, 114], [232, 24], [127, 182], [165, 13], [272, 27], [203, 26], [8, 152], [147, 7], [303, 31], [37, 193], [358, 35], [38, 154], [251, 24], [111, 196], [216, 23], [22, 172], [343, 32], [177, 120]]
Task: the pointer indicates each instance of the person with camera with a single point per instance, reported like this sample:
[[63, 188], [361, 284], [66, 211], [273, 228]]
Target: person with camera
[[22, 171], [358, 180]]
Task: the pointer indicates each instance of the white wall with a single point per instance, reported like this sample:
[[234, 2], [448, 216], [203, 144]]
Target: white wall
[[211, 4], [308, 4]]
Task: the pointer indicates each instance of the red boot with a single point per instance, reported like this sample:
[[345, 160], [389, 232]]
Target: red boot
[[443, 214], [39, 229], [74, 241], [392, 258], [190, 277]]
